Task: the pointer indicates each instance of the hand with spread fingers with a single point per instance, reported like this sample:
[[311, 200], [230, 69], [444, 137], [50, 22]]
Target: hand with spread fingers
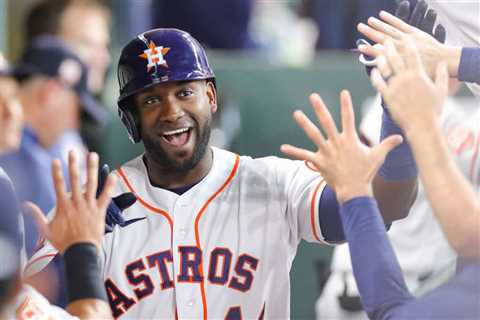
[[412, 98], [347, 165], [418, 27], [79, 217]]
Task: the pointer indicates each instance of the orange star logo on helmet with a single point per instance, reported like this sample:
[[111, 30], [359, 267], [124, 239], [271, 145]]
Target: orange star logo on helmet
[[155, 56]]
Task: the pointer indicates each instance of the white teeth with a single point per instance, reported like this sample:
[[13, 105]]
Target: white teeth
[[169, 133]]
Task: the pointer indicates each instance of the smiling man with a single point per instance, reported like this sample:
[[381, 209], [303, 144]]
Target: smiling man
[[215, 233]]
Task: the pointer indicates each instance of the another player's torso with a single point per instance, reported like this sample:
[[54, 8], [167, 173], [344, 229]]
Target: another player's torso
[[230, 230], [460, 121]]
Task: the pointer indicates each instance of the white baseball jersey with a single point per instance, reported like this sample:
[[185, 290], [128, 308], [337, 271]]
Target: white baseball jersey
[[29, 304], [223, 249]]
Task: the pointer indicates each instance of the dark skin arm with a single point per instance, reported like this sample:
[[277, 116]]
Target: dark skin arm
[[395, 198]]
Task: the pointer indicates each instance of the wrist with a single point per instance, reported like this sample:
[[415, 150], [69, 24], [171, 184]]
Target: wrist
[[352, 192], [83, 272], [413, 130], [452, 57]]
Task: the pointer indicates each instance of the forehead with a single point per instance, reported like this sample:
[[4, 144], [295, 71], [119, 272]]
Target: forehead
[[168, 86]]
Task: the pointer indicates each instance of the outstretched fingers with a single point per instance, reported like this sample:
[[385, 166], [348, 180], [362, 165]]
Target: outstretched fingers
[[387, 145], [395, 22], [371, 33], [92, 175], [348, 116], [324, 116], [309, 128], [385, 28], [59, 183], [299, 153], [74, 176]]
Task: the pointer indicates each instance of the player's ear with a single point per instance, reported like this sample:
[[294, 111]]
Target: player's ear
[[212, 96]]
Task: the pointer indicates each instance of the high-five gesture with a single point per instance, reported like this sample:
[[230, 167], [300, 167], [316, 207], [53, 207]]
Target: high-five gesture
[[427, 39], [412, 97], [79, 217], [347, 165]]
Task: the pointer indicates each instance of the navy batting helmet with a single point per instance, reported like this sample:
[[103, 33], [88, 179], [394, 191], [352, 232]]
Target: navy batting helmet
[[154, 57]]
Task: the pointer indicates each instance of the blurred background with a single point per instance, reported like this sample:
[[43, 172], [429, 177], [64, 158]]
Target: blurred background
[[268, 56]]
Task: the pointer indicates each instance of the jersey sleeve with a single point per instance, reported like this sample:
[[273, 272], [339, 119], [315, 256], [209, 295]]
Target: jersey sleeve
[[301, 186], [31, 305]]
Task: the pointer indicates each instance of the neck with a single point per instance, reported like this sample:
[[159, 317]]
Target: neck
[[166, 178]]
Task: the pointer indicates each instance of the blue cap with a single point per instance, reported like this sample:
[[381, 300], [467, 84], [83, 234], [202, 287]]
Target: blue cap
[[49, 56]]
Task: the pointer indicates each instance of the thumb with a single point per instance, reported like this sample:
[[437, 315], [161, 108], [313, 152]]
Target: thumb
[[441, 78], [39, 217], [387, 145]]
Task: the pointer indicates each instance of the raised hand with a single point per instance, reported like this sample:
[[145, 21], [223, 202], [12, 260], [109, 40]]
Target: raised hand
[[79, 217], [412, 98], [420, 29], [347, 165]]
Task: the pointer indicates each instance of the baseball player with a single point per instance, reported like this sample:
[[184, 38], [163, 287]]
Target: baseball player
[[213, 234], [413, 99]]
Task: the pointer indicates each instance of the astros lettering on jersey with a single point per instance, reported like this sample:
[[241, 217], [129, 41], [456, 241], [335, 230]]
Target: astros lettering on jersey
[[222, 249]]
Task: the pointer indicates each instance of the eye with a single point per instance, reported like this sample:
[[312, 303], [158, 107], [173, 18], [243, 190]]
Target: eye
[[150, 101], [184, 93]]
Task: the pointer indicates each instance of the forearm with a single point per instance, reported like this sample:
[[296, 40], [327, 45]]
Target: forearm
[[377, 272], [394, 198], [395, 186], [453, 200]]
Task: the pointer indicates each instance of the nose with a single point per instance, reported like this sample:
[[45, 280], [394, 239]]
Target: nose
[[171, 111]]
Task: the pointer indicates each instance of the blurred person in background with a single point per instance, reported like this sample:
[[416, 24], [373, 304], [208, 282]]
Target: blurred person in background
[[84, 25], [73, 237], [335, 20], [11, 115], [53, 90], [215, 24]]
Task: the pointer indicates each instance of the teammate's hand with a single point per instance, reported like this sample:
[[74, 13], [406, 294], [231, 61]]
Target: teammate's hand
[[117, 205], [79, 217], [347, 165], [412, 98], [420, 29]]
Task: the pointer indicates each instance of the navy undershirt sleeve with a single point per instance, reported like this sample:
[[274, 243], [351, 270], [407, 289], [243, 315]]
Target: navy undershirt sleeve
[[469, 69], [380, 281], [375, 267], [329, 216]]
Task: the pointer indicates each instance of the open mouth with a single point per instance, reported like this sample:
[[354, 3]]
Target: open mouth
[[177, 138]]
